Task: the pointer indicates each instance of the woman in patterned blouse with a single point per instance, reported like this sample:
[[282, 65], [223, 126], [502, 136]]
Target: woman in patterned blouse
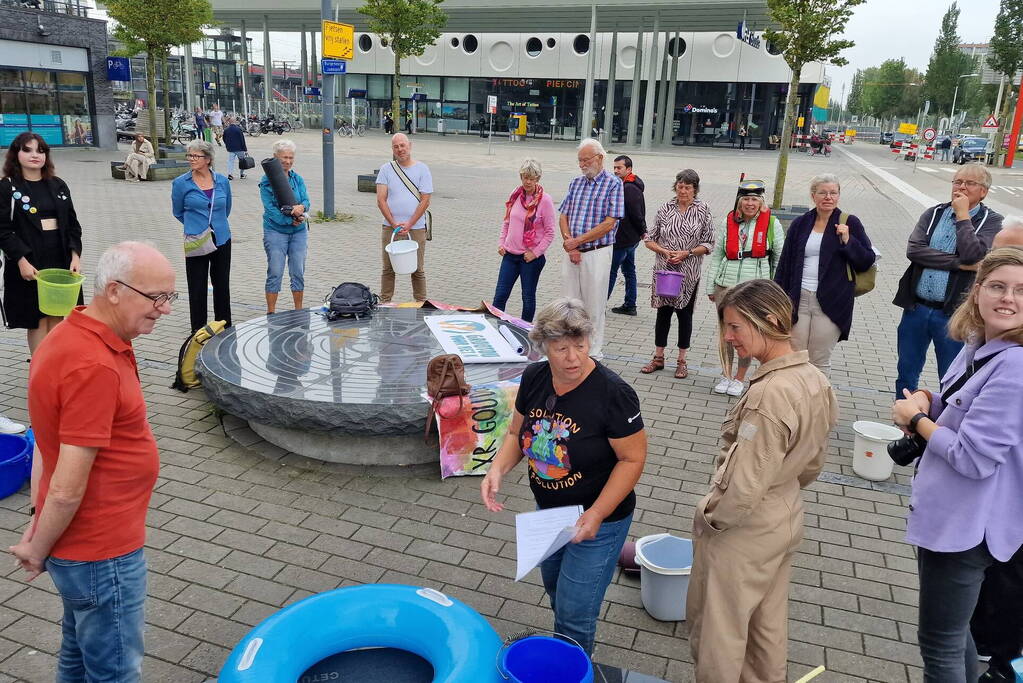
[[682, 234]]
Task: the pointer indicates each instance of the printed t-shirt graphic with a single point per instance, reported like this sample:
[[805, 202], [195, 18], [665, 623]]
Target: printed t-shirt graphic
[[570, 457]]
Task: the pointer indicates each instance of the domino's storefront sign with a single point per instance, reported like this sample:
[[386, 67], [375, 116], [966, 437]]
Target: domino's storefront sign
[[118, 69]]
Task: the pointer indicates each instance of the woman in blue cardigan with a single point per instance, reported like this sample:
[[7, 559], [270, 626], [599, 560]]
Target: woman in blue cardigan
[[814, 270], [201, 199]]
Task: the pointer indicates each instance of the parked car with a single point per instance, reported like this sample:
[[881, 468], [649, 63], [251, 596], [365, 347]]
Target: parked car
[[886, 138], [970, 148], [904, 138]]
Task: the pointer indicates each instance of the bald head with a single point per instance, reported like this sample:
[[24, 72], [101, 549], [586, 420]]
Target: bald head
[[125, 260], [134, 288], [401, 147], [1011, 234]]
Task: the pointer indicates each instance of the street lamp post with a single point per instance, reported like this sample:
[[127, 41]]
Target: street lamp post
[[951, 117]]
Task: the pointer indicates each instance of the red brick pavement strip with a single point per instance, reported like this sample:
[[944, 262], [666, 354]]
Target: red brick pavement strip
[[235, 535]]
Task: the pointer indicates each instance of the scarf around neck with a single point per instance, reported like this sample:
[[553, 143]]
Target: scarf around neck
[[529, 237]]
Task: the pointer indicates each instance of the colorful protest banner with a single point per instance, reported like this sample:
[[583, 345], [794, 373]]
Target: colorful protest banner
[[470, 438], [472, 337]]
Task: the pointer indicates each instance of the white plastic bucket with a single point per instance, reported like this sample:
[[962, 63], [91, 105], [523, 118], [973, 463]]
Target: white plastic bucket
[[403, 255], [665, 562], [870, 449]]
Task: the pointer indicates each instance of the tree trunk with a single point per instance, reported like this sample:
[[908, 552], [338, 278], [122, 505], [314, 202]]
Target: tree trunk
[[151, 88], [786, 138], [396, 116], [1003, 119], [166, 101]]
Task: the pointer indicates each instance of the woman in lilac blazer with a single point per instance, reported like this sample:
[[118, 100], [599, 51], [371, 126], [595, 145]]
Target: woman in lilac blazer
[[966, 510]]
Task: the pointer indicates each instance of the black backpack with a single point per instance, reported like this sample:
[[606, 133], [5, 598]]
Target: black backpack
[[350, 300]]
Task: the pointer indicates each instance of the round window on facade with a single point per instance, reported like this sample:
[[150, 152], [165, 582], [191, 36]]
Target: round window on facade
[[581, 44], [454, 42], [676, 47], [551, 43], [772, 49], [533, 47], [470, 44], [365, 43], [383, 42]]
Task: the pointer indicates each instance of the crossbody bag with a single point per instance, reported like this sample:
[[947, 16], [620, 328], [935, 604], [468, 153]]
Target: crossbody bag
[[864, 282], [203, 243], [415, 193]]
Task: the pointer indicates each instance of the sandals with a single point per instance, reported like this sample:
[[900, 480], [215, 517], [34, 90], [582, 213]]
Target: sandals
[[681, 370], [655, 364]]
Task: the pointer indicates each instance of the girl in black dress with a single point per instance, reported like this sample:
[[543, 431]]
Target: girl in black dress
[[38, 229]]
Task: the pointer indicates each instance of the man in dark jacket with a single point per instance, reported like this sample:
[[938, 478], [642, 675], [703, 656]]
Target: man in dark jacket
[[944, 249], [631, 229], [234, 143]]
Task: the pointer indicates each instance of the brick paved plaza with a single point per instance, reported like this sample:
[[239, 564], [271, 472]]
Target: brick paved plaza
[[235, 534]]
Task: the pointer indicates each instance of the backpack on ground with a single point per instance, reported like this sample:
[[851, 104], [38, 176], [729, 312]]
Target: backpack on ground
[[351, 300], [186, 378], [445, 376]]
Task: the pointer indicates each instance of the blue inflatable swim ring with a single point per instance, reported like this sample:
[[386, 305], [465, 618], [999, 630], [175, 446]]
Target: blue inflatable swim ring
[[457, 641]]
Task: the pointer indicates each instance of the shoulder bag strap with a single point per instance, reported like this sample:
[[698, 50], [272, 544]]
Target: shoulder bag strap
[[970, 371], [406, 181]]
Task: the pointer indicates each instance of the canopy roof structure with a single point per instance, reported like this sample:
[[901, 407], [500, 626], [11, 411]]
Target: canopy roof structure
[[519, 16]]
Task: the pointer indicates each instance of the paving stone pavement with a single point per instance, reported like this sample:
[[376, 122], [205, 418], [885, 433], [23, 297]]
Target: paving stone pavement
[[235, 535]]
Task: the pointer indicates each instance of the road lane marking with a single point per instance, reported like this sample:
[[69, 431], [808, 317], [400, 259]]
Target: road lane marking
[[902, 186]]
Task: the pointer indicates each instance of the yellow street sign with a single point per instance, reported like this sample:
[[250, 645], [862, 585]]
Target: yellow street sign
[[799, 122], [850, 132], [907, 128], [338, 40]]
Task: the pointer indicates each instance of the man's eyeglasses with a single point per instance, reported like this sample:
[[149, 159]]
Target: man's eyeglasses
[[997, 290], [966, 183], [828, 193], [157, 299], [588, 159]]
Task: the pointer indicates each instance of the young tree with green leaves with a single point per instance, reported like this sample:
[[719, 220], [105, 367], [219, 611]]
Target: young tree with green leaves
[[883, 96], [410, 26], [948, 63], [806, 34], [854, 103], [153, 27], [1006, 57]]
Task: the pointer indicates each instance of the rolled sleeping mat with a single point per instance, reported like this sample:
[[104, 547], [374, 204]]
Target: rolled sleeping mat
[[279, 182]]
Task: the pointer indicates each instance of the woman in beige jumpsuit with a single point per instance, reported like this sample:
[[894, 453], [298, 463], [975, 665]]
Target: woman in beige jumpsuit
[[747, 528]]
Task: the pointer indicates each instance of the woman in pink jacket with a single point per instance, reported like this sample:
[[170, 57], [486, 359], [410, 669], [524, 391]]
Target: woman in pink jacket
[[527, 231]]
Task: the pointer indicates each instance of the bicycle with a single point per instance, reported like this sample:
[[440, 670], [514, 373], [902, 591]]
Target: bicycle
[[345, 130]]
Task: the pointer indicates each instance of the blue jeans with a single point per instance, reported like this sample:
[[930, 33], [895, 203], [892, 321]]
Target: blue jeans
[[576, 578], [232, 162], [514, 267], [280, 246], [917, 329], [624, 258], [949, 587], [103, 618]]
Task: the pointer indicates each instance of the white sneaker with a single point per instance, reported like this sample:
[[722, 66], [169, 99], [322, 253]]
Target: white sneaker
[[735, 387], [722, 386], [8, 426]]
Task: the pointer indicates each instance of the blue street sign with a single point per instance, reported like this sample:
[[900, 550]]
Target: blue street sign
[[315, 92], [357, 93], [118, 69], [419, 97], [333, 66]]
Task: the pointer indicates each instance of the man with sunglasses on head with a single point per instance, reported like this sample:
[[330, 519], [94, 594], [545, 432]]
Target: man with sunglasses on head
[[946, 245], [95, 466]]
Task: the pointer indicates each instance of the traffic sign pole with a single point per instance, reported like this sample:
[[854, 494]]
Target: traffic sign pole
[[328, 124]]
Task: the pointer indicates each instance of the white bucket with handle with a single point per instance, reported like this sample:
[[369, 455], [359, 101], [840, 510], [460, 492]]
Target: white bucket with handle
[[870, 449], [402, 253]]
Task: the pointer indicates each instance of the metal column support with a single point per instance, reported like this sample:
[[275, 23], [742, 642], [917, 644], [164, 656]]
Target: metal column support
[[609, 100], [669, 117], [268, 66], [586, 120], [246, 82], [637, 68], [305, 62], [662, 94], [328, 124], [189, 81], [314, 63], [651, 85]]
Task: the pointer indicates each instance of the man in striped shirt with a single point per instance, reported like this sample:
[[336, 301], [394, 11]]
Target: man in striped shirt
[[589, 221]]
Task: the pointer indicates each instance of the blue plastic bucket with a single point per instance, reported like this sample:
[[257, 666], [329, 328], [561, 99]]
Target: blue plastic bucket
[[542, 659], [15, 462]]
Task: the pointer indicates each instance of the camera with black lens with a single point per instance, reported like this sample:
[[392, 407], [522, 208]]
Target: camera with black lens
[[907, 449]]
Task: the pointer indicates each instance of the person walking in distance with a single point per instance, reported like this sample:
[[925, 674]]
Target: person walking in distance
[[630, 233], [217, 123], [404, 187], [234, 143]]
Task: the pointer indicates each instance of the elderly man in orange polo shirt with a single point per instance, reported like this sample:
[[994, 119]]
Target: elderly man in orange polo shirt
[[95, 466]]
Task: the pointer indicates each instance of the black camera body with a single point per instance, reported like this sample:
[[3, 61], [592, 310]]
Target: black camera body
[[907, 449]]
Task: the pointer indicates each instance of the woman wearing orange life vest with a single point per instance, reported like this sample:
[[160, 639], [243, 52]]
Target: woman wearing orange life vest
[[747, 247]]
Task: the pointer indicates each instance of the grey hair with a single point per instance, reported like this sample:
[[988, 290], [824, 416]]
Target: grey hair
[[985, 175], [565, 317], [283, 145], [593, 144], [530, 168], [202, 147], [116, 263], [823, 179]]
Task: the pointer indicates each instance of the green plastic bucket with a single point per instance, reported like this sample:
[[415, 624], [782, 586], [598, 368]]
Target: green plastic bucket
[[58, 290]]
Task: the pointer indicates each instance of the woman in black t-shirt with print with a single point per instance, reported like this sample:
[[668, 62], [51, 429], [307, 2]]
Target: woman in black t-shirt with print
[[580, 428]]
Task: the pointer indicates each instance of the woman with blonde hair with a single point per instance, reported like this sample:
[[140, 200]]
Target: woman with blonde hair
[[965, 507], [746, 530], [140, 158]]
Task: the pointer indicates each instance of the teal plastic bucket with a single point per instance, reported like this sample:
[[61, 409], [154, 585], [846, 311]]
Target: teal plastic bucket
[[542, 659]]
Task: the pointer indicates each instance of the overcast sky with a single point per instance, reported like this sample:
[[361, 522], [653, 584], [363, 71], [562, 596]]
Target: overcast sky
[[889, 29]]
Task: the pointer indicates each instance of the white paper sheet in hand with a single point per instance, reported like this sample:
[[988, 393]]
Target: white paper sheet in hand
[[540, 534]]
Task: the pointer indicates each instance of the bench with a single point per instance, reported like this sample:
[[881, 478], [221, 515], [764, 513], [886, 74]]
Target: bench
[[173, 152], [368, 183], [164, 169]]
